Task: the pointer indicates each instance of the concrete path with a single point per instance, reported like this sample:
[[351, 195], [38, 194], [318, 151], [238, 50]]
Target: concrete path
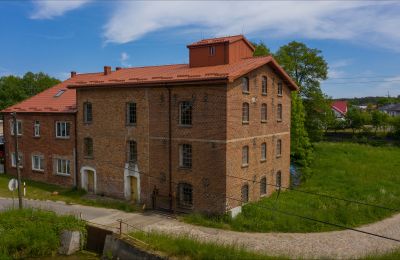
[[337, 244]]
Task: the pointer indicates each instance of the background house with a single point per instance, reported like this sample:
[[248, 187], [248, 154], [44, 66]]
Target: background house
[[339, 107], [391, 109]]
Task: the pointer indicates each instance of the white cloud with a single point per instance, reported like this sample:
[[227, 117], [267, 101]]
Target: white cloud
[[336, 68], [124, 59], [48, 9], [364, 22]]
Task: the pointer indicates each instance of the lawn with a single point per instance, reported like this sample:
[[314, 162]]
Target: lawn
[[186, 247], [352, 171], [43, 191], [33, 233]]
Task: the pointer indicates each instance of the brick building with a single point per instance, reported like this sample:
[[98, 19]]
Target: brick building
[[204, 136]]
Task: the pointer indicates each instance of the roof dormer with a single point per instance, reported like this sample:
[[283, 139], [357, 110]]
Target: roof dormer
[[218, 51]]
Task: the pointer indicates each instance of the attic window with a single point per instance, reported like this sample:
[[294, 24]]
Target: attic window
[[59, 93], [211, 50]]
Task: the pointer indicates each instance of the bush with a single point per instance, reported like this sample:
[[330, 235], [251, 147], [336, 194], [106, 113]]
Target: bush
[[33, 233]]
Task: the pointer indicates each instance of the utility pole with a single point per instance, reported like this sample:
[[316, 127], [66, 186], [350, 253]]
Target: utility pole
[[14, 115]]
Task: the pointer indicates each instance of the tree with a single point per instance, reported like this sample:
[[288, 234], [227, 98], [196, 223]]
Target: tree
[[261, 49], [308, 67], [357, 119], [379, 120], [14, 89]]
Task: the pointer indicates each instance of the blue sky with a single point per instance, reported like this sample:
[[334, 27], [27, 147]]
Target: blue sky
[[359, 39]]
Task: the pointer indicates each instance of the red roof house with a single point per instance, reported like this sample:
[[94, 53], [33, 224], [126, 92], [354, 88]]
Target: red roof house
[[340, 108]]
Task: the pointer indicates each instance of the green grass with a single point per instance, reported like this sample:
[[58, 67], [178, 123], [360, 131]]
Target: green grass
[[43, 191], [389, 256], [33, 233], [352, 171], [187, 247]]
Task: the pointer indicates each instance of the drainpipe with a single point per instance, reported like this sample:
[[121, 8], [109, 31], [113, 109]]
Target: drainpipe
[[76, 153], [170, 147]]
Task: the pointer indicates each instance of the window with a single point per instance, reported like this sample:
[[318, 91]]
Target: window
[[245, 155], [245, 193], [263, 186], [245, 113], [87, 112], [279, 112], [263, 152], [38, 163], [185, 195], [88, 149], [36, 129], [185, 113], [14, 161], [132, 152], [62, 129], [263, 112], [280, 89], [185, 155], [211, 50], [131, 113], [19, 127], [245, 85], [63, 167], [278, 180], [278, 148], [264, 85], [59, 93]]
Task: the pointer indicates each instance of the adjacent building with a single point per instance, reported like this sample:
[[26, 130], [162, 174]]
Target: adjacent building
[[391, 109], [205, 136], [339, 108]]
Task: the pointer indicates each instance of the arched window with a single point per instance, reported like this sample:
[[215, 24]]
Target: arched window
[[263, 151], [279, 112], [264, 85], [245, 113], [132, 152], [88, 149], [245, 155], [245, 85], [185, 195], [278, 180], [263, 112], [263, 186], [245, 193]]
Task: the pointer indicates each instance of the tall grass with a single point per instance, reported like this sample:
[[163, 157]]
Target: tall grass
[[33, 233], [187, 247], [352, 171]]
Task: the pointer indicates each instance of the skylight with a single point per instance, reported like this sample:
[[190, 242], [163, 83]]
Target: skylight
[[59, 93]]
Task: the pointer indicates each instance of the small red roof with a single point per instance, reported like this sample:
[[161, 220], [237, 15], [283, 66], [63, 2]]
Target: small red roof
[[180, 73], [340, 106], [229, 39]]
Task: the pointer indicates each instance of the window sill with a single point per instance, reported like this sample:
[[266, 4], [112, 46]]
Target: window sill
[[279, 120], [38, 171], [264, 94], [130, 125], [14, 166], [246, 92], [245, 166], [181, 168], [185, 126], [87, 123], [278, 156], [263, 160], [88, 157], [63, 138], [280, 95], [264, 121], [245, 122], [63, 174], [263, 195]]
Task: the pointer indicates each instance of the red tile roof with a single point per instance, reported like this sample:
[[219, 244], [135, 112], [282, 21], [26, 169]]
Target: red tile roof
[[340, 106], [180, 73], [230, 39]]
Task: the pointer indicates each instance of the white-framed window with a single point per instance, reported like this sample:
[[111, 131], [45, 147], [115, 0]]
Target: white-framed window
[[87, 112], [264, 85], [280, 89], [63, 167], [263, 151], [185, 113], [278, 148], [36, 129], [14, 160], [279, 112], [63, 129], [245, 113], [185, 156], [245, 85], [263, 112], [19, 127], [245, 155], [211, 50], [38, 162]]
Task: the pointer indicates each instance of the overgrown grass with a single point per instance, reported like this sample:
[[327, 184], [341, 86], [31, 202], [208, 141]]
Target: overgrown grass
[[352, 171], [187, 247], [389, 256], [44, 191], [33, 233]]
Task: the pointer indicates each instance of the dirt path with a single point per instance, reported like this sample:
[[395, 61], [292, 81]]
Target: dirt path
[[336, 244]]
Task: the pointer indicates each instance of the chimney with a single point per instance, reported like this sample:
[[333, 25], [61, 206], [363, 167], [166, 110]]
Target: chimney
[[73, 74], [118, 68], [107, 70]]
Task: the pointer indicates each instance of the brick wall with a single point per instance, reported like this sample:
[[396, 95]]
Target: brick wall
[[47, 145]]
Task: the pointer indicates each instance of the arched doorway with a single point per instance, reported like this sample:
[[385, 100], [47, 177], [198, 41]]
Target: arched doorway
[[89, 179]]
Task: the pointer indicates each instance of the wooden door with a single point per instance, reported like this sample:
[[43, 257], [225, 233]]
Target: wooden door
[[134, 192], [90, 183]]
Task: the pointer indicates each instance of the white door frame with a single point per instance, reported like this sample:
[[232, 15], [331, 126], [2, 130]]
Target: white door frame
[[84, 178], [127, 182]]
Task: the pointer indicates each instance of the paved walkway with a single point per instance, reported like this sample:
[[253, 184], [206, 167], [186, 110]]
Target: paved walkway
[[337, 244]]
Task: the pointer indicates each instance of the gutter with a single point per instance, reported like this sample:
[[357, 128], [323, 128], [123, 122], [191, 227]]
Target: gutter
[[170, 147]]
